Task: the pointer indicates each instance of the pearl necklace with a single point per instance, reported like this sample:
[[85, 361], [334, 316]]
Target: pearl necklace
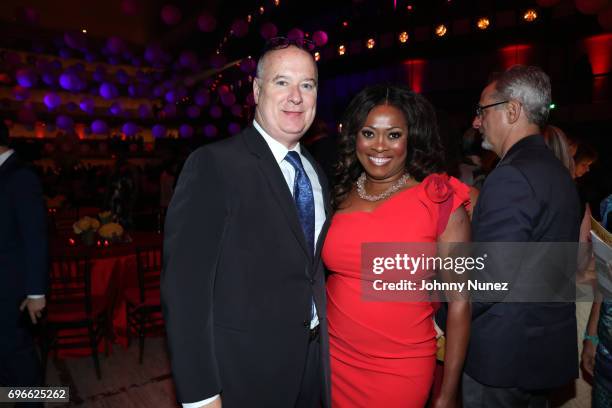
[[361, 192]]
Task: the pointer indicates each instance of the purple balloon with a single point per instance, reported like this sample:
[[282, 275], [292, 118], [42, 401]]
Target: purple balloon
[[171, 96], [248, 65], [28, 15], [52, 100], [320, 38], [158, 131], [228, 99], [268, 30], [154, 53], [170, 14], [217, 60], [144, 111], [193, 111], [115, 45], [130, 128], [87, 105], [56, 65], [99, 126], [99, 75], [20, 93], [210, 130], [64, 122], [26, 77], [202, 97], [70, 81], [186, 130], [216, 111], [122, 77], [170, 110], [236, 110], [76, 40], [188, 59], [240, 28], [129, 7], [115, 109], [108, 91], [207, 23], [233, 128], [65, 53], [295, 34], [49, 78]]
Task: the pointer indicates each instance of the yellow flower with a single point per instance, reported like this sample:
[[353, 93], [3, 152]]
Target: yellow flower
[[85, 224], [110, 230]]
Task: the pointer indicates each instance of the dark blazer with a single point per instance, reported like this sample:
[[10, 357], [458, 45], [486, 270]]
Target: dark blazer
[[23, 240], [529, 197], [238, 278]]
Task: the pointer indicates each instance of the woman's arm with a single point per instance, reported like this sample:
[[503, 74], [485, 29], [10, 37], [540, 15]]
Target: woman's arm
[[459, 313]]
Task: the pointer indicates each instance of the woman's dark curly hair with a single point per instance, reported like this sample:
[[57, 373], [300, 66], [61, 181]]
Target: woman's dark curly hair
[[425, 154]]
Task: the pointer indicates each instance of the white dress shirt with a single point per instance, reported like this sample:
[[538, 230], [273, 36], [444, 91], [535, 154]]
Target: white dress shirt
[[279, 151], [4, 157]]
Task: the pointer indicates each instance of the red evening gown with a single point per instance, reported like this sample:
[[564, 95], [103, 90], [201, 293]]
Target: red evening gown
[[383, 353]]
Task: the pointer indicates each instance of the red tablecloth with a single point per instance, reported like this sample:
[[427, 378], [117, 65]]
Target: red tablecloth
[[113, 271]]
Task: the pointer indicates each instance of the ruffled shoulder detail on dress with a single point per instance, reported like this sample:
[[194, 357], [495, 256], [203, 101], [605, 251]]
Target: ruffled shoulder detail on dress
[[440, 187], [443, 194]]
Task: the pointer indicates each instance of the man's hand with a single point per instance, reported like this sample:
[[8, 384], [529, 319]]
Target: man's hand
[[35, 307]]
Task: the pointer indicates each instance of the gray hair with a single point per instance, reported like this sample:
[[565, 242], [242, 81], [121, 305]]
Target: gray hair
[[262, 60], [528, 85]]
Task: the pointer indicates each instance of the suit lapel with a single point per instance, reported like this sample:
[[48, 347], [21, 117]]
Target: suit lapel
[[8, 164], [278, 186]]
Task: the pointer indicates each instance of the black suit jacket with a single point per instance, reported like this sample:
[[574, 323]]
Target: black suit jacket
[[23, 243], [238, 278], [529, 197]]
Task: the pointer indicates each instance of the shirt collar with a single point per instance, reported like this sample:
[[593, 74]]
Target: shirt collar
[[278, 149], [4, 156]]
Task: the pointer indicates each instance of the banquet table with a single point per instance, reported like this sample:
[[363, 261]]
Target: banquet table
[[113, 272]]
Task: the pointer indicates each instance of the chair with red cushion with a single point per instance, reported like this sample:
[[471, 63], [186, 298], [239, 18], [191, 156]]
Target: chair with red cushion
[[75, 319], [143, 304]]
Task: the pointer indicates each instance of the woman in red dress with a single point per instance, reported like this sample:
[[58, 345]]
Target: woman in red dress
[[390, 189]]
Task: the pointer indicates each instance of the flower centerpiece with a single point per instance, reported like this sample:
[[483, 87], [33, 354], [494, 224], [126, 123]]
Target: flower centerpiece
[[86, 228], [111, 231]]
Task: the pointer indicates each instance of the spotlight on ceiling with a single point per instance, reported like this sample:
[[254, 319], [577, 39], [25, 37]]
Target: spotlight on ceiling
[[403, 37], [441, 30], [317, 56], [370, 43], [530, 15], [341, 50], [483, 23]]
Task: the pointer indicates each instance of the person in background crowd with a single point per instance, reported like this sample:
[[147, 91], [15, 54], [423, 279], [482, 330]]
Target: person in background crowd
[[519, 352], [23, 268]]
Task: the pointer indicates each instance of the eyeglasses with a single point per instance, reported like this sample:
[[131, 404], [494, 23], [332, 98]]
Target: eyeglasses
[[279, 43], [479, 108]]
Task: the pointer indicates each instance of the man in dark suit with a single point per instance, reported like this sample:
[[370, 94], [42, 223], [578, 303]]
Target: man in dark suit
[[23, 266], [243, 288], [520, 351]]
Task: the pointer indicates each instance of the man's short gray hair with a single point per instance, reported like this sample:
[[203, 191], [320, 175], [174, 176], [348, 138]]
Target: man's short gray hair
[[528, 85], [259, 73]]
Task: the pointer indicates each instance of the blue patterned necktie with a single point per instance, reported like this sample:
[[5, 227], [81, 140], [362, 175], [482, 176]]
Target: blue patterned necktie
[[304, 198], [304, 201]]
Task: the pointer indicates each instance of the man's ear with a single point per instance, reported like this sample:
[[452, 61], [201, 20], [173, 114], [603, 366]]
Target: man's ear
[[513, 111], [256, 89]]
